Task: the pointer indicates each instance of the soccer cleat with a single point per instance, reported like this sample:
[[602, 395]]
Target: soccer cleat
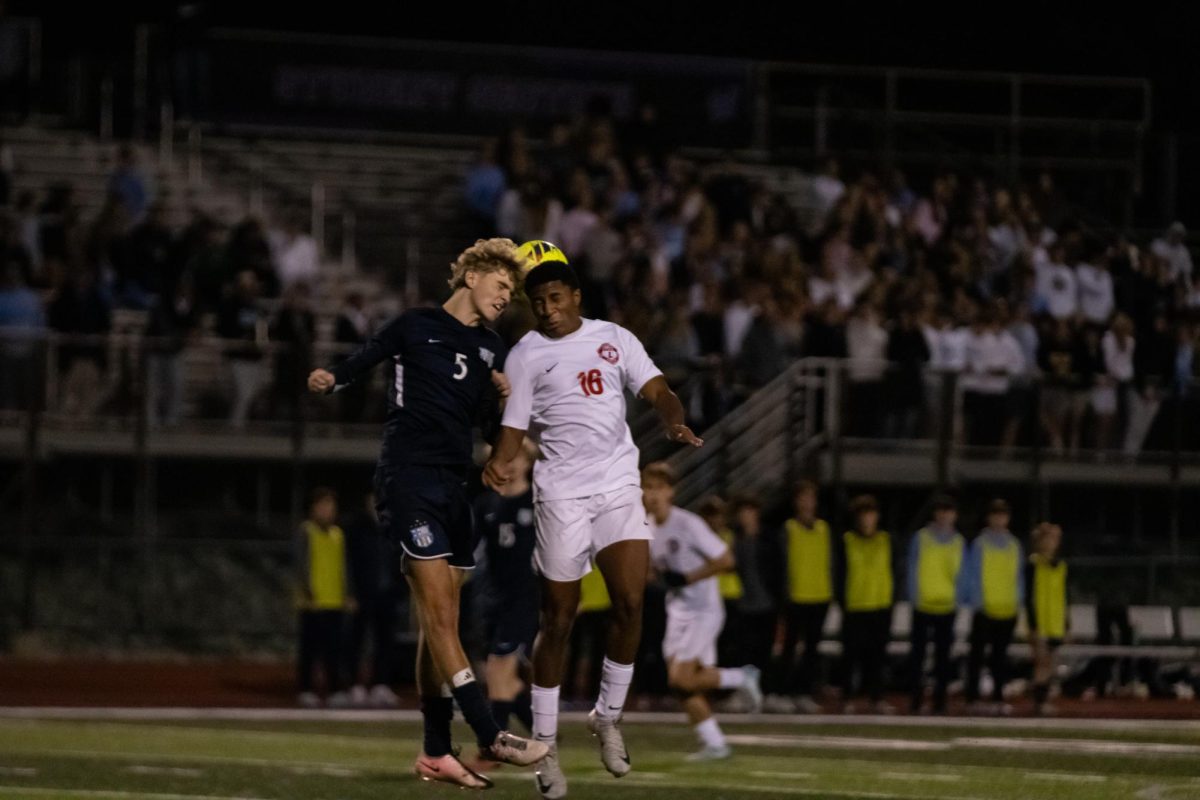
[[551, 782], [448, 769], [512, 749], [613, 754], [751, 688], [709, 753]]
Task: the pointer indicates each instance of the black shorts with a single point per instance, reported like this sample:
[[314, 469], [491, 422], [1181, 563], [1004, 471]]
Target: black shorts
[[424, 514], [516, 624]]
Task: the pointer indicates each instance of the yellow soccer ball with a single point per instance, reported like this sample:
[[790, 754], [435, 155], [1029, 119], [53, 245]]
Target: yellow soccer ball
[[538, 252]]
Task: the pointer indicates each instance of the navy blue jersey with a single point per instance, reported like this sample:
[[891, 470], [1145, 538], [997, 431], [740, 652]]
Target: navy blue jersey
[[506, 526], [441, 385]]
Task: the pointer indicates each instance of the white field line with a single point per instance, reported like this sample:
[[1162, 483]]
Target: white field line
[[1088, 746], [19, 772], [178, 772], [920, 776], [838, 742], [789, 776], [1066, 777], [17, 791], [632, 717]]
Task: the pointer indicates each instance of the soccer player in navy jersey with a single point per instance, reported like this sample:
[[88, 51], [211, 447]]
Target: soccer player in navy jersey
[[446, 378]]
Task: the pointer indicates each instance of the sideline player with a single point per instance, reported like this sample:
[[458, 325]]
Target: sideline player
[[568, 380], [445, 366], [689, 557]]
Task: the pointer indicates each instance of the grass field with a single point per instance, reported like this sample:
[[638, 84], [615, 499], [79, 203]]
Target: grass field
[[218, 757]]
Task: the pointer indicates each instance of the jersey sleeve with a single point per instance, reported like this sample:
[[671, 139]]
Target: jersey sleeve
[[388, 341], [639, 368], [487, 414], [707, 543], [519, 408]]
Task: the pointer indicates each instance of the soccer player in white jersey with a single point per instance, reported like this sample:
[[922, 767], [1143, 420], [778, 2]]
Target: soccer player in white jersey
[[568, 379], [688, 557]]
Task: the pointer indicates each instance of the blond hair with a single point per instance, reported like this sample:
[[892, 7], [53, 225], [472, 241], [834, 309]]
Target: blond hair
[[659, 471], [488, 255]]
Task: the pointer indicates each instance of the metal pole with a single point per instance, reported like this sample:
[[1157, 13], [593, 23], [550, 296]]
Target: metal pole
[[106, 108], [29, 482], [318, 215], [141, 80], [166, 136], [348, 239], [1014, 133], [833, 417], [945, 432], [194, 159]]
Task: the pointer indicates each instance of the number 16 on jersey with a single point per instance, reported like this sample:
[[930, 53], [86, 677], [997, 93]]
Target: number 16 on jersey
[[592, 382]]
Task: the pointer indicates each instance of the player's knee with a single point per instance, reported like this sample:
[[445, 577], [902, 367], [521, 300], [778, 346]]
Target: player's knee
[[627, 609], [556, 623], [441, 621]]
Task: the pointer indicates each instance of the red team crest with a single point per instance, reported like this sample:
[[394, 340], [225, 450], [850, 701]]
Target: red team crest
[[609, 353]]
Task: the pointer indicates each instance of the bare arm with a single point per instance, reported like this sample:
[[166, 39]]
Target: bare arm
[[499, 467], [657, 393], [712, 566]]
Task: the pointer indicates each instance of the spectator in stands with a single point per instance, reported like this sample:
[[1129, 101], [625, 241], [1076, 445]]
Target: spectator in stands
[[908, 353], [828, 189], [377, 594], [808, 566], [1172, 249], [324, 594], [1056, 289], [81, 308], [242, 322], [294, 332], [993, 357], [762, 356], [1046, 607], [1153, 366], [1062, 358], [935, 557], [1114, 387], [29, 231], [864, 579], [756, 567], [485, 186], [1096, 300], [992, 585], [581, 217], [145, 270], [352, 329], [128, 185], [295, 254], [866, 345], [173, 319], [22, 322]]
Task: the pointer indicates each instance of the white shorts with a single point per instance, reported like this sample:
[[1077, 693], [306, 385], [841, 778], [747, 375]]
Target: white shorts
[[692, 636], [571, 532]]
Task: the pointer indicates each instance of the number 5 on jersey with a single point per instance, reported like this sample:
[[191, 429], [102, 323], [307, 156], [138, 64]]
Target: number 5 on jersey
[[460, 361], [592, 382]]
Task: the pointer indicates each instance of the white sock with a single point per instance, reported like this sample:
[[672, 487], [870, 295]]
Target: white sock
[[544, 702], [462, 678], [614, 688], [731, 678], [446, 690], [710, 734]]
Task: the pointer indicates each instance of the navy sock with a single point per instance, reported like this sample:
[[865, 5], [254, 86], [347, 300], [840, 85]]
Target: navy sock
[[437, 712], [524, 711], [475, 710], [501, 709]]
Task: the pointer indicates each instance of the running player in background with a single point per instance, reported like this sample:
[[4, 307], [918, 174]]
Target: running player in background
[[445, 376], [688, 556], [506, 526], [568, 379]]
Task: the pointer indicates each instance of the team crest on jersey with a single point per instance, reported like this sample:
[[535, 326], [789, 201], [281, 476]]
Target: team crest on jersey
[[673, 546], [525, 517], [487, 355], [609, 353], [422, 536]]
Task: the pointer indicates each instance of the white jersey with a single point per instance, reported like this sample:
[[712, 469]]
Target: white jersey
[[568, 394], [684, 543]]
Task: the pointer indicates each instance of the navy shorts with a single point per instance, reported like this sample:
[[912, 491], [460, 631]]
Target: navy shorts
[[424, 514], [516, 625]]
